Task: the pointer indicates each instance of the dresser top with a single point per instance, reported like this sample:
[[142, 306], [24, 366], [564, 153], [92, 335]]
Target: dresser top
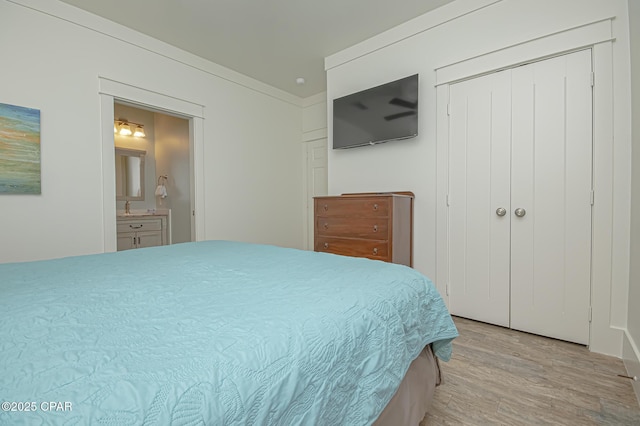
[[408, 194]]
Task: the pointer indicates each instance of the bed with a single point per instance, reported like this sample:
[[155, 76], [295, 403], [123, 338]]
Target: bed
[[217, 333]]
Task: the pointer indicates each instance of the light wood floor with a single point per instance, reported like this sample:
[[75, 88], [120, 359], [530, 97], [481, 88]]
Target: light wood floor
[[499, 376]]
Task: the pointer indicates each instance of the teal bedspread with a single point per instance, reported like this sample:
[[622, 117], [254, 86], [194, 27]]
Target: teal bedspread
[[215, 333]]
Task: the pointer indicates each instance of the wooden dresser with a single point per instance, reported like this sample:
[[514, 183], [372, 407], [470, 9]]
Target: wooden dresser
[[372, 225]]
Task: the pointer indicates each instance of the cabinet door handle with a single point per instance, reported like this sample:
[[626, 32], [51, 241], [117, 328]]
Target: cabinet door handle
[[135, 227], [326, 245], [375, 251], [138, 240], [375, 228]]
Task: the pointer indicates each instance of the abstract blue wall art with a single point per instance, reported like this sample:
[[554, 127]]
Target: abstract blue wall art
[[19, 150]]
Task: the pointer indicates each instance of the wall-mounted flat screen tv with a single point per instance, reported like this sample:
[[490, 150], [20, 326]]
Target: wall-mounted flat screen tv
[[384, 113]]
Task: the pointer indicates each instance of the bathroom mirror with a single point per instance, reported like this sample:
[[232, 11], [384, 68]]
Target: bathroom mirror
[[130, 174]]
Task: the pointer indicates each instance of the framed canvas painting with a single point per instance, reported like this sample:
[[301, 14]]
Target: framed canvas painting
[[19, 150]]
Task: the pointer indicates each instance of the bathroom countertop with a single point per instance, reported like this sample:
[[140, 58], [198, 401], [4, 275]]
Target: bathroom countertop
[[120, 214]]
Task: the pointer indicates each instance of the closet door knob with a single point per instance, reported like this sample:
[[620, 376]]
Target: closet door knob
[[501, 211], [520, 212]]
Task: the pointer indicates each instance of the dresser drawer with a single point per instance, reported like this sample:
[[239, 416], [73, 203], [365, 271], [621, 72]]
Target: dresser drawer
[[369, 228], [352, 247], [352, 206], [139, 225]]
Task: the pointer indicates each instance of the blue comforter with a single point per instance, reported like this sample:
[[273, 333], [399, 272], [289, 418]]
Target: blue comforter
[[216, 333]]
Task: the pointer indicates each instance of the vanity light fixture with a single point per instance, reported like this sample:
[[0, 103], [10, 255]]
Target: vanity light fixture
[[139, 132], [123, 127]]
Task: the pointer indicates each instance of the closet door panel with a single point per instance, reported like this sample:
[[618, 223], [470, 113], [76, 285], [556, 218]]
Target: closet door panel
[[551, 182], [479, 184]]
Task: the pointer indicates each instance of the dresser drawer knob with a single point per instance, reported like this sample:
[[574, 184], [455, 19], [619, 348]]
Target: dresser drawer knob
[[326, 245], [375, 251], [325, 207], [375, 207], [326, 226], [375, 228]]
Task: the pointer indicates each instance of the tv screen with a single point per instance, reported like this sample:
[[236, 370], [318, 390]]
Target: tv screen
[[380, 114]]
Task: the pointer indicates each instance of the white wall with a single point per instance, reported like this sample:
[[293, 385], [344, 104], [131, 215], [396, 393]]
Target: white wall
[[53, 56], [456, 32], [172, 160], [314, 117], [632, 353]]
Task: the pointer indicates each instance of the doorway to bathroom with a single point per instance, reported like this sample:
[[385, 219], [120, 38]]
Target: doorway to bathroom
[[166, 175]]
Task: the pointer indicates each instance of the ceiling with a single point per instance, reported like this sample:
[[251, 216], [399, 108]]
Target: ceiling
[[274, 41]]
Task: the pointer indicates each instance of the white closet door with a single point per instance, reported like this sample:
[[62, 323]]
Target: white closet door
[[480, 117], [551, 182]]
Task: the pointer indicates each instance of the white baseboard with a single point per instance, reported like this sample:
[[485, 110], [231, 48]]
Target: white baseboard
[[631, 358]]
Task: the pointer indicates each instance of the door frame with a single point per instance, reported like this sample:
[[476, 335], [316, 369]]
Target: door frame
[[110, 91], [605, 335], [309, 191]]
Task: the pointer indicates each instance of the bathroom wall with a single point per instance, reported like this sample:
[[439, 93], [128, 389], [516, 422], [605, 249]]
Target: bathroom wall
[[172, 160]]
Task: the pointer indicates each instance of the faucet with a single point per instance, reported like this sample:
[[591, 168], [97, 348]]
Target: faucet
[[127, 207]]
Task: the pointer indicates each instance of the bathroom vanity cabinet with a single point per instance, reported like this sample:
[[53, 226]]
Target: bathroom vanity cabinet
[[141, 231]]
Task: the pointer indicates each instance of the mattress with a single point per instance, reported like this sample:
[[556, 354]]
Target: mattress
[[213, 332]]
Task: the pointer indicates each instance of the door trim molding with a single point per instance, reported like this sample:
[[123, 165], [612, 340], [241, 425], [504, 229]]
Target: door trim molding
[[111, 90], [554, 44], [149, 98]]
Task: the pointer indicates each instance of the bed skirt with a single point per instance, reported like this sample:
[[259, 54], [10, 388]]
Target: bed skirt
[[413, 398]]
